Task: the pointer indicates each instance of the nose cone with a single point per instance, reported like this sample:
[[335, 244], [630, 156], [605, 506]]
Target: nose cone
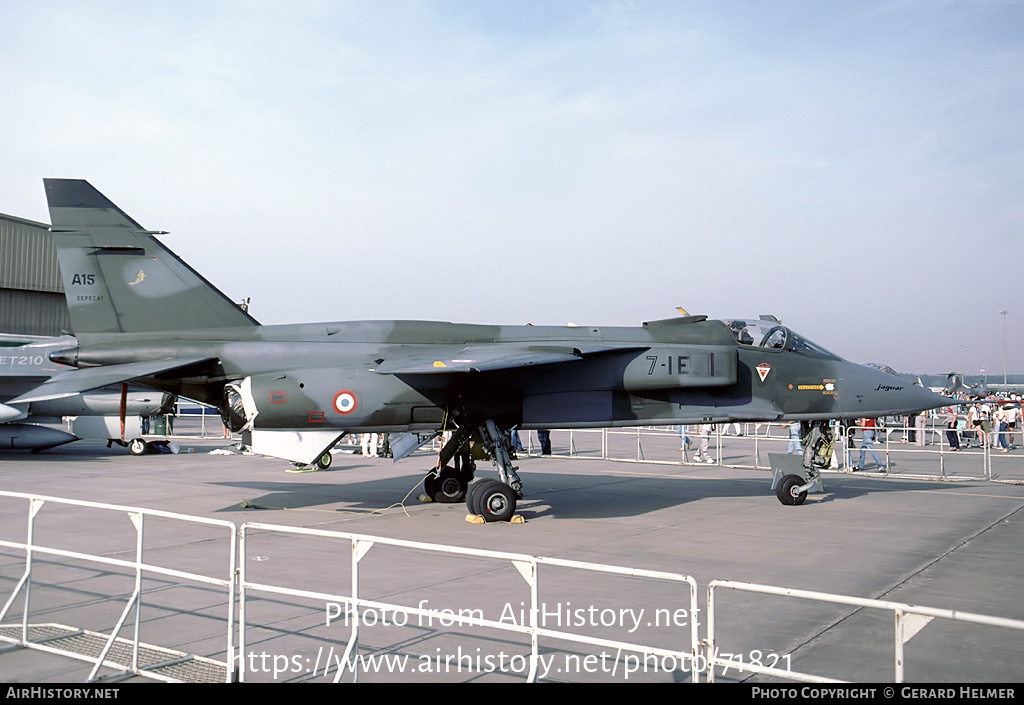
[[868, 393]]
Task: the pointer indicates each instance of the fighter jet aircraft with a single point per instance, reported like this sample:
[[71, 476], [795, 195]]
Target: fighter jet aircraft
[[23, 425], [142, 314]]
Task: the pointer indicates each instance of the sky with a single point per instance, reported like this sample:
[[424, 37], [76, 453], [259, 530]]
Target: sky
[[855, 169]]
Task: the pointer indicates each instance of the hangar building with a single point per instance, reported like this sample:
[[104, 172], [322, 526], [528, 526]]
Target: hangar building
[[31, 293]]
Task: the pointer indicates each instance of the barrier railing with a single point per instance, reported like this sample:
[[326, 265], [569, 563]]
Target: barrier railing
[[159, 662], [976, 460], [527, 566], [698, 656], [908, 621]]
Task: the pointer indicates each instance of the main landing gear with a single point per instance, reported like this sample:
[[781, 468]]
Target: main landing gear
[[451, 480], [451, 484]]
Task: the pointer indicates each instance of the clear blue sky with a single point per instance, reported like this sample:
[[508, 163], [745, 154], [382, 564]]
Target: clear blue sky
[[854, 168]]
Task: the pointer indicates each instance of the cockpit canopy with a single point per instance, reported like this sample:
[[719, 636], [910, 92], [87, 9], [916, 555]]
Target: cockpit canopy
[[772, 335]]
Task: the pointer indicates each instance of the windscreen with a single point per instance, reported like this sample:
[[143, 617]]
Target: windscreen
[[774, 336]]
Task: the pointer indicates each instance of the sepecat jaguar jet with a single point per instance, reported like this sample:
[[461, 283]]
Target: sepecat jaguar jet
[[142, 315]]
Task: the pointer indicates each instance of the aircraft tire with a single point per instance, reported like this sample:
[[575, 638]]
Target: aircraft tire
[[137, 446], [449, 488], [325, 460], [784, 490], [473, 493], [495, 501]]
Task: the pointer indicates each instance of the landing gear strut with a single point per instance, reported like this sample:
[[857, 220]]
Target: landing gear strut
[[792, 477], [450, 481]]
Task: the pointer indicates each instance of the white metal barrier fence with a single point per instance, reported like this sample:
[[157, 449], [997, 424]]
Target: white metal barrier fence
[[527, 566], [908, 621], [161, 663], [132, 656], [667, 446]]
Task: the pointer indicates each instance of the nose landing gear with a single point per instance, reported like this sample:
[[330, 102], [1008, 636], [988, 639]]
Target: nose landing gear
[[793, 477]]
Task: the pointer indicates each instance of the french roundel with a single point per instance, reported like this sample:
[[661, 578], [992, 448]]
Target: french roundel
[[345, 402]]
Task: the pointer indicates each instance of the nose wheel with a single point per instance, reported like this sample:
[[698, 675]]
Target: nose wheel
[[789, 490], [791, 481]]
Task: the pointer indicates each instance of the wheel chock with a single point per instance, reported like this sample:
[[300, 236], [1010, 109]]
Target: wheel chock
[[477, 519]]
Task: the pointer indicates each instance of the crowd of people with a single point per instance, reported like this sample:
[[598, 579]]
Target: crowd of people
[[989, 419], [986, 420]]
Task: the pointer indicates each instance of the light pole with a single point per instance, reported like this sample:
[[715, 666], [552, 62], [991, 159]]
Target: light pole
[[1004, 350]]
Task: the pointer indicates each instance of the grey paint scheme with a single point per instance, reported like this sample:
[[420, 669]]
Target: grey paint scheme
[[142, 314]]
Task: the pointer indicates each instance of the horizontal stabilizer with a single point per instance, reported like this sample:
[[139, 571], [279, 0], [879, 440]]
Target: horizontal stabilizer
[[84, 380]]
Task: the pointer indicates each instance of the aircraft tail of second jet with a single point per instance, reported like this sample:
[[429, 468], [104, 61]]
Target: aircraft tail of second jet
[[119, 278]]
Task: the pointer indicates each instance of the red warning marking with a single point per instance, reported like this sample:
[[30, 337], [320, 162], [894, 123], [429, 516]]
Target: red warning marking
[[763, 369]]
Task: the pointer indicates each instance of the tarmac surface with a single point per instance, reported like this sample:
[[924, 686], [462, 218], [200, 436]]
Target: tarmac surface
[[953, 543]]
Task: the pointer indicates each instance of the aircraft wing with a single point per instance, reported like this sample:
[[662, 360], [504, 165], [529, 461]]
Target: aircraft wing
[[486, 358], [83, 380]]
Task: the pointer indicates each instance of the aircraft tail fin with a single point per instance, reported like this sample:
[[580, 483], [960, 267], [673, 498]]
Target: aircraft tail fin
[[954, 383], [118, 278]]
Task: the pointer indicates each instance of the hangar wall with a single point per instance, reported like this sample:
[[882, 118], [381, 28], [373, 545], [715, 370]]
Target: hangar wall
[[31, 294]]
